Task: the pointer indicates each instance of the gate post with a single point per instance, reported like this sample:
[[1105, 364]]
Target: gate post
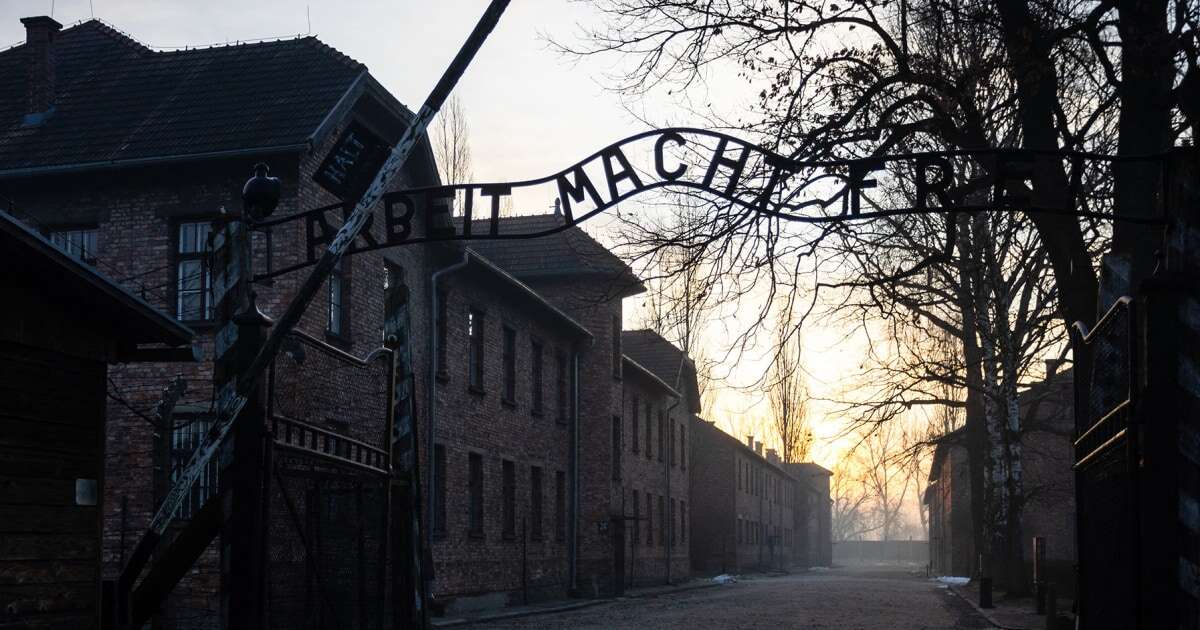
[[245, 474]]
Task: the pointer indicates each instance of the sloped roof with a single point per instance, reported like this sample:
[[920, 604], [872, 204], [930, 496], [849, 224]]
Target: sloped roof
[[571, 252], [28, 260], [117, 100], [665, 360]]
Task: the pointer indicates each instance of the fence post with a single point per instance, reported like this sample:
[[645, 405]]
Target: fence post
[[1039, 577], [985, 582], [1051, 608]]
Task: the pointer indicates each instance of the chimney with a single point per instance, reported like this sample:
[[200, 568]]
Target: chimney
[[750, 442], [1052, 366], [773, 456], [758, 447], [40, 33]]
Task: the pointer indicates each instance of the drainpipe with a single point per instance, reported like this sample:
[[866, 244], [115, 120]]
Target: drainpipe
[[573, 520], [431, 393], [671, 524]]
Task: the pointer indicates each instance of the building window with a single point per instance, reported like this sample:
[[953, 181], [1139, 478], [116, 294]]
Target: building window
[[443, 304], [635, 427], [339, 302], [616, 448], [683, 521], [649, 520], [616, 346], [509, 359], [561, 385], [475, 488], [662, 521], [193, 286], [185, 438], [671, 520], [672, 442], [649, 430], [637, 521], [508, 515], [560, 506], [79, 244], [535, 503], [475, 351], [662, 421], [439, 488], [682, 448], [535, 372], [739, 531]]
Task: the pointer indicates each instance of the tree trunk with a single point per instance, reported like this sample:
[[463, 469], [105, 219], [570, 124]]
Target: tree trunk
[[1144, 125]]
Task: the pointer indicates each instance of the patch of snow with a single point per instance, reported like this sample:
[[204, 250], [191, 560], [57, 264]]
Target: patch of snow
[[724, 578], [818, 568], [952, 580]]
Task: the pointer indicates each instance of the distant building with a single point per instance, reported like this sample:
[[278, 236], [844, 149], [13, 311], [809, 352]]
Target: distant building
[[948, 495], [743, 505], [814, 514], [1048, 482]]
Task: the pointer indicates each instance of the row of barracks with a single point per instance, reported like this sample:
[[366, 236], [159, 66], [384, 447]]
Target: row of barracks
[[558, 450]]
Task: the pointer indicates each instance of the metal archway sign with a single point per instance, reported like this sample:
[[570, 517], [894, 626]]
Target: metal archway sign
[[716, 164]]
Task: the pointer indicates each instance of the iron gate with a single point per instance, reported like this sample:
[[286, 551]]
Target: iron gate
[[1107, 483], [327, 560]]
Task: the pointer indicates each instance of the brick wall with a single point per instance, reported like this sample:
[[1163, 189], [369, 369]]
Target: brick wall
[[587, 301], [712, 516], [651, 558], [481, 421], [761, 531]]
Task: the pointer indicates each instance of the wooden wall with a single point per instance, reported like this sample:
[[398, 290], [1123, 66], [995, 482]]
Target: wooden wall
[[51, 434]]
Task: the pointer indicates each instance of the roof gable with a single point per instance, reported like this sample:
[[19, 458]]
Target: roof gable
[[571, 252], [665, 360], [117, 100]]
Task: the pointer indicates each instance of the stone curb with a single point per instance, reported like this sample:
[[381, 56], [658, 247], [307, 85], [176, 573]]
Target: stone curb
[[983, 612], [516, 614]]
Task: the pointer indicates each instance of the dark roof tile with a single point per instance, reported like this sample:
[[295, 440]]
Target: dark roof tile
[[118, 100], [566, 253]]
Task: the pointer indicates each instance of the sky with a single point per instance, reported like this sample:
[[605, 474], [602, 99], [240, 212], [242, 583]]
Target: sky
[[531, 110]]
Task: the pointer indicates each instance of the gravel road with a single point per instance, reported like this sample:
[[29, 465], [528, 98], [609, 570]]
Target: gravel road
[[841, 599]]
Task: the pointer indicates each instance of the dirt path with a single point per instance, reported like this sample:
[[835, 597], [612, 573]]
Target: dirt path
[[839, 599]]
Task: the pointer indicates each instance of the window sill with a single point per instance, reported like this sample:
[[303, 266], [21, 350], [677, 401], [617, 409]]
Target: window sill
[[442, 376], [471, 389], [508, 402], [439, 535], [338, 340], [536, 538], [508, 537], [562, 422], [534, 411], [199, 325], [475, 535]]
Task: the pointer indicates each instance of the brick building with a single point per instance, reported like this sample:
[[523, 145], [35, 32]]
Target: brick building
[[123, 155], [585, 280], [948, 495], [1048, 483], [503, 432], [745, 516], [661, 395], [814, 514]]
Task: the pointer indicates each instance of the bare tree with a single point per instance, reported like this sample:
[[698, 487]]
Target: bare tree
[[850, 518], [452, 142], [787, 392]]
